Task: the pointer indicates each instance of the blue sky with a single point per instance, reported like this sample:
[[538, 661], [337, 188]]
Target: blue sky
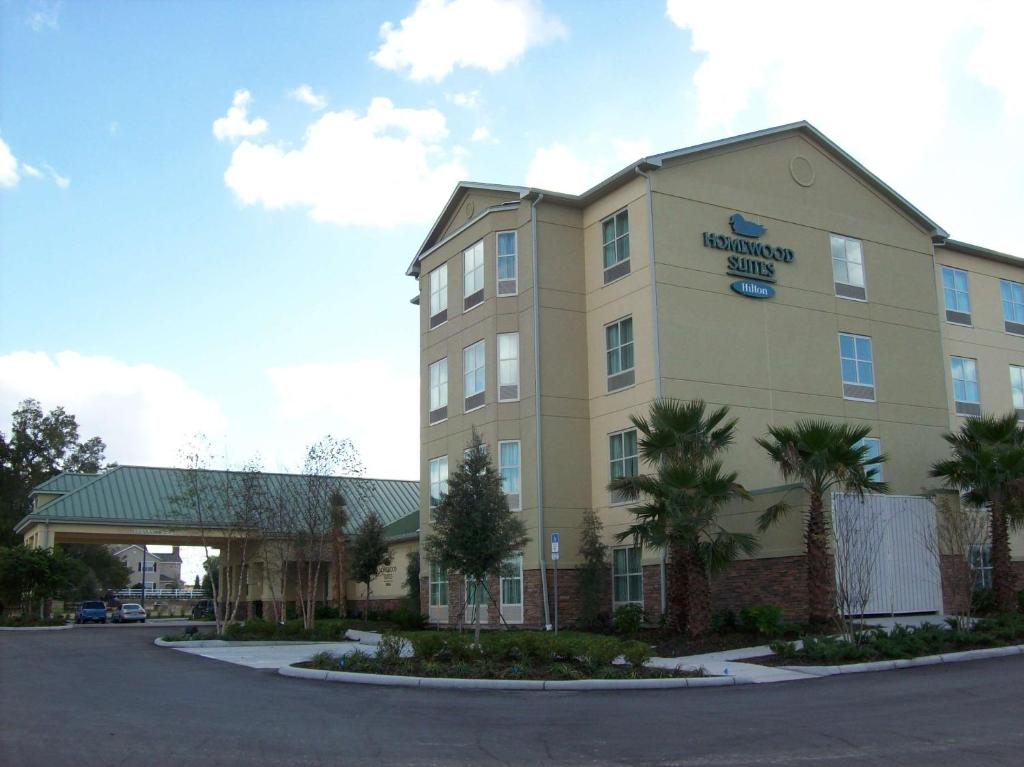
[[163, 272]]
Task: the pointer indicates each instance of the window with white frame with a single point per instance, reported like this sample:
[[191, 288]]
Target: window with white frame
[[874, 449], [618, 339], [623, 459], [980, 560], [512, 581], [857, 367], [627, 576], [438, 383], [438, 281], [848, 267], [473, 276], [508, 367], [966, 395], [438, 476], [1017, 389], [955, 295], [508, 264], [510, 470], [1012, 294], [615, 246], [473, 376], [438, 586]]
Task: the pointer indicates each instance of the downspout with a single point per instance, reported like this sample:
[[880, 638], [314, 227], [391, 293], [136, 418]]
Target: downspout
[[536, 393], [655, 332]]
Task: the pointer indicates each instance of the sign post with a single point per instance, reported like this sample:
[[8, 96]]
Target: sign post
[[555, 538]]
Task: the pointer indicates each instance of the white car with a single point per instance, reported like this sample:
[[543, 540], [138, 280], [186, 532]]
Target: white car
[[129, 612]]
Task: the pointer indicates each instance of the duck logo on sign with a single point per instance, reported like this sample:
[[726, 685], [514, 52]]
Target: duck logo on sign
[[745, 228]]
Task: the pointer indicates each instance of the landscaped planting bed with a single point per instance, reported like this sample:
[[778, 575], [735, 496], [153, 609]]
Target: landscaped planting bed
[[901, 642], [258, 630], [512, 655], [27, 621]]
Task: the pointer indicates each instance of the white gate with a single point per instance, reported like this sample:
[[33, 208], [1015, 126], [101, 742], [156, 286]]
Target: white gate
[[884, 551]]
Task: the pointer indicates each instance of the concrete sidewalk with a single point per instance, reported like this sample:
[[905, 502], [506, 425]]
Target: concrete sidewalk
[[274, 656]]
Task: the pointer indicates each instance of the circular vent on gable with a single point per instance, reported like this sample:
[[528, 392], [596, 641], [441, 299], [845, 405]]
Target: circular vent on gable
[[801, 170]]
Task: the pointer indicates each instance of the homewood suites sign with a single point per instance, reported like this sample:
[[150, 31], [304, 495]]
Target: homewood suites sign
[[749, 258]]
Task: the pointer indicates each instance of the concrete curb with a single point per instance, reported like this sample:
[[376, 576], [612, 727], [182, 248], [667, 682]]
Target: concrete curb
[[507, 684], [924, 660], [38, 628], [225, 643]]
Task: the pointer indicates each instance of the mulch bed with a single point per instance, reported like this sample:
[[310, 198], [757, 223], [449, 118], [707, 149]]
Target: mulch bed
[[508, 670]]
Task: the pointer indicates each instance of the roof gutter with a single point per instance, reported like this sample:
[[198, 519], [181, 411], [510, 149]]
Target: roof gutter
[[537, 412]]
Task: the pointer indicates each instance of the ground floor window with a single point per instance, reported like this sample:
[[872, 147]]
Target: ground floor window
[[627, 576], [512, 581], [438, 586], [981, 565]]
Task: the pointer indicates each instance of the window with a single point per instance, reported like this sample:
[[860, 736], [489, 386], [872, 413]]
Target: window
[[473, 374], [848, 267], [510, 469], [508, 264], [512, 581], [438, 391], [438, 482], [955, 295], [627, 576], [618, 339], [473, 276], [980, 559], [1013, 306], [1017, 389], [439, 295], [874, 449], [857, 368], [623, 459], [966, 395], [508, 367], [438, 586], [615, 246]]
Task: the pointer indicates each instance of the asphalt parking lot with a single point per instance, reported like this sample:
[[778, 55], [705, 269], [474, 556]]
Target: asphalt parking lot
[[104, 695]]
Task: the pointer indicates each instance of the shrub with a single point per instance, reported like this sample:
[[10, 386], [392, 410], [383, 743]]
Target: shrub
[[408, 620], [627, 619], [764, 620], [389, 649], [983, 602], [357, 662], [723, 622], [325, 613], [325, 661], [636, 654]]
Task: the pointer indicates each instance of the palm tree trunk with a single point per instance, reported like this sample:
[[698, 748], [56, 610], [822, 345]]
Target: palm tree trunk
[[820, 608], [677, 584], [698, 621], [1002, 566]]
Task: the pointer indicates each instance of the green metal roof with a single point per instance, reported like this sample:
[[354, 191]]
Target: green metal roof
[[407, 526], [67, 482], [145, 495]]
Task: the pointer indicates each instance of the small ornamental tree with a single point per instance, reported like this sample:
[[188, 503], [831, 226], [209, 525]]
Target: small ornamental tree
[[412, 580], [473, 530], [369, 551], [593, 569]]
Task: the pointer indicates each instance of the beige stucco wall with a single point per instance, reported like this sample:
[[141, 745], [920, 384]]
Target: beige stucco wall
[[390, 582]]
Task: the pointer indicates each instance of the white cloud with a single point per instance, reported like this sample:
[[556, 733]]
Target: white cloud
[[8, 166], [143, 412], [481, 134], [469, 99], [371, 402], [43, 14], [236, 123], [384, 168], [440, 35], [31, 170], [561, 168], [61, 181], [306, 95]]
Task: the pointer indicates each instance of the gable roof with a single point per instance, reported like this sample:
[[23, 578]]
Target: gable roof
[[976, 250], [653, 162], [145, 495], [66, 482]]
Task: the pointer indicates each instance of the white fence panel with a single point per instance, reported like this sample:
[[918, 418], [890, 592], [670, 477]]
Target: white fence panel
[[904, 573]]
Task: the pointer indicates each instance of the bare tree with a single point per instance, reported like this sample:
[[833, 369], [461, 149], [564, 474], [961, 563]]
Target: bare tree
[[961, 530], [858, 535]]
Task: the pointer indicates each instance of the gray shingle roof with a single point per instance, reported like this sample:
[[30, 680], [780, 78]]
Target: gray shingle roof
[[145, 495]]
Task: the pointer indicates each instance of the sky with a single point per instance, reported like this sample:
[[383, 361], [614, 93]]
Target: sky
[[207, 208]]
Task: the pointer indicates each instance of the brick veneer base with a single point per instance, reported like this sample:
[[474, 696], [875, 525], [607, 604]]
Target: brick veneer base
[[779, 580]]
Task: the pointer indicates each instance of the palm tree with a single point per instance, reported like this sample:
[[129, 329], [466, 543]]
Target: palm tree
[[681, 501], [987, 468], [821, 456]]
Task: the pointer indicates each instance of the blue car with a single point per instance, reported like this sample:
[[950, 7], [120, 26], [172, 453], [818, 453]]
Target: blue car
[[91, 611]]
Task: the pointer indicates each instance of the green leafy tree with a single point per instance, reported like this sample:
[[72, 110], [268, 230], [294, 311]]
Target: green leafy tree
[[593, 569], [369, 552], [105, 572], [822, 456], [680, 501], [473, 532], [412, 580], [987, 468], [39, 446], [34, 576]]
